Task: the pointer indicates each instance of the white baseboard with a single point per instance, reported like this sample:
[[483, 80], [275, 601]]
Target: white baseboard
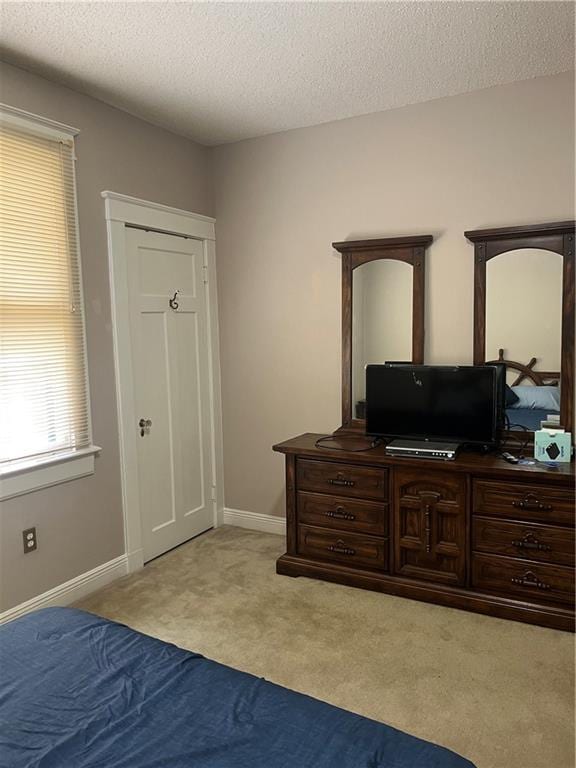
[[73, 590], [254, 521]]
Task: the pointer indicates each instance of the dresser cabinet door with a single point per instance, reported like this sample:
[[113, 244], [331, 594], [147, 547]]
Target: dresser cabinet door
[[430, 526]]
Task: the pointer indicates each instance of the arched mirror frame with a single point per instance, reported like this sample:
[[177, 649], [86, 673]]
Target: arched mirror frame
[[557, 237], [410, 249]]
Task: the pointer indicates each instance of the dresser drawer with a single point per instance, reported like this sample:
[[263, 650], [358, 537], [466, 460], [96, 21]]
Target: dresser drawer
[[519, 579], [546, 543], [346, 548], [343, 514], [523, 502], [343, 479]]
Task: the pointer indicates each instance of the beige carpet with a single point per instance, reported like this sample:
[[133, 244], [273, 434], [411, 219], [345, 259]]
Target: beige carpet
[[498, 692]]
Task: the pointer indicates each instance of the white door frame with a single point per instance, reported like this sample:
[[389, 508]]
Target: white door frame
[[122, 210]]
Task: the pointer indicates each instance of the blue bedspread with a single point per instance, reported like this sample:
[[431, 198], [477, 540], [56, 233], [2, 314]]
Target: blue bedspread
[[78, 691], [527, 417]]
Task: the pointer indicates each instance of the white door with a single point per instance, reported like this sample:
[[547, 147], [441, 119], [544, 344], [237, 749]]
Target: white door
[[170, 360]]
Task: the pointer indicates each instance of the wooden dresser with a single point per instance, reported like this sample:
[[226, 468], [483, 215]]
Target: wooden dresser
[[476, 533]]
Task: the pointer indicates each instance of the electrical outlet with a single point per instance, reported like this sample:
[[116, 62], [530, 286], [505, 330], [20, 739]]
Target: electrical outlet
[[30, 540]]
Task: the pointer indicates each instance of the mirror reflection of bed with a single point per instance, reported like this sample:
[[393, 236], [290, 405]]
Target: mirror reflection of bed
[[532, 396]]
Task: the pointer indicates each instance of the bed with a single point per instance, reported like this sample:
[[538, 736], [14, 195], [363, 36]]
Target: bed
[[79, 691]]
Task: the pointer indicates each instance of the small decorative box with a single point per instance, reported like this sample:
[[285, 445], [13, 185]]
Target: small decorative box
[[552, 445]]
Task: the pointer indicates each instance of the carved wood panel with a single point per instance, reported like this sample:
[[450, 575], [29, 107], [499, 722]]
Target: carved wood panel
[[430, 526]]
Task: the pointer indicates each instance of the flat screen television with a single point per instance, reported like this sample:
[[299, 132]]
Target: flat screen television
[[460, 404]]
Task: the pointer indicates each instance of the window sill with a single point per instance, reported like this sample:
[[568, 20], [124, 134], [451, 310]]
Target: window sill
[[32, 475]]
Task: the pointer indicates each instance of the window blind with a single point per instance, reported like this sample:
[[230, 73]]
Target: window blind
[[43, 387]]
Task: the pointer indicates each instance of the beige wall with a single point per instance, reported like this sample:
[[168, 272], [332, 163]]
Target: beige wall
[[501, 156], [80, 523]]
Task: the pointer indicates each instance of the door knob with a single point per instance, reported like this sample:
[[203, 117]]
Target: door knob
[[144, 425]]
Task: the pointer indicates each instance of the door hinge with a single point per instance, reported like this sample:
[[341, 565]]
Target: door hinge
[[205, 274], [213, 495]]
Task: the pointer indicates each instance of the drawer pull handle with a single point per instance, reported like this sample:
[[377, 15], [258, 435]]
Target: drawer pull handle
[[532, 503], [427, 526], [340, 514], [341, 549], [341, 480], [529, 541], [530, 580]]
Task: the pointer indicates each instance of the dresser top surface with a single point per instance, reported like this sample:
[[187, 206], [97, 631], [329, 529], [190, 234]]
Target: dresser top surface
[[347, 448]]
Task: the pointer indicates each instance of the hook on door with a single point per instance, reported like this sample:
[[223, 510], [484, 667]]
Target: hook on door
[[173, 303], [145, 425]]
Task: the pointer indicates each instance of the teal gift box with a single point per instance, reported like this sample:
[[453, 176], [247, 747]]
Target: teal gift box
[[550, 445]]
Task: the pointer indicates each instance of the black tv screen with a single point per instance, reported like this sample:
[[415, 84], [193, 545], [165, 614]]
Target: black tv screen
[[453, 403]]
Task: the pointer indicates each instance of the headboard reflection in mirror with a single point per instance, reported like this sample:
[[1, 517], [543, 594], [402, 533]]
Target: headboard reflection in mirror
[[382, 312], [524, 318], [532, 395]]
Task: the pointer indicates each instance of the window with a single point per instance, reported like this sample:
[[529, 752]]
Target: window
[[44, 408]]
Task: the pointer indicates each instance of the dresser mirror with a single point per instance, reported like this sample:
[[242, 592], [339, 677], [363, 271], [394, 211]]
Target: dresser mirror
[[524, 318], [382, 312], [381, 318]]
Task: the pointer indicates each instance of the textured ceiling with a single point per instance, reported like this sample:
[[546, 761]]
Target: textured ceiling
[[220, 72]]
